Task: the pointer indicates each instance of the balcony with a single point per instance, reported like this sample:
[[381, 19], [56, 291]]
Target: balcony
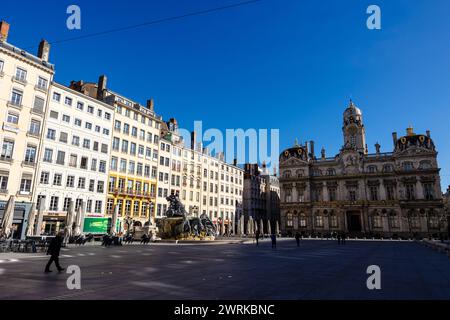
[[3, 191], [15, 105], [19, 80], [6, 159], [10, 127], [41, 88], [30, 164], [37, 111]]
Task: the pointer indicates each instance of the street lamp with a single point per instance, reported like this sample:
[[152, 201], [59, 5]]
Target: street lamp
[[150, 207]]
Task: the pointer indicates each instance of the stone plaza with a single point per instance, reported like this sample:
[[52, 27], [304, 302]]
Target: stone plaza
[[315, 270]]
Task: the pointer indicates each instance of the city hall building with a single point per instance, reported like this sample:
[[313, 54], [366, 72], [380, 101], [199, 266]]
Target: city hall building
[[393, 194]]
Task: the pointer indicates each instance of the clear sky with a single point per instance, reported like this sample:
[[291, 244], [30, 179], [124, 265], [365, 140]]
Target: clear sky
[[286, 64]]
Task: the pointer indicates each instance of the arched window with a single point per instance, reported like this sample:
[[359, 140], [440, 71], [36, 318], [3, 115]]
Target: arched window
[[289, 219], [388, 168], [287, 174], [302, 220], [371, 169], [394, 222]]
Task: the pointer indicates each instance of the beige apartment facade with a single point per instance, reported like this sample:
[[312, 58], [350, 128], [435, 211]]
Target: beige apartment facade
[[24, 90]]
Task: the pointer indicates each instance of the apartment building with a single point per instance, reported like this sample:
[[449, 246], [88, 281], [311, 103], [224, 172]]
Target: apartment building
[[74, 158], [134, 155], [24, 90]]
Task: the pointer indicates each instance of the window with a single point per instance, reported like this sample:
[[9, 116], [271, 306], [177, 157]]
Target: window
[[61, 157], [352, 195], [42, 83], [38, 106], [21, 75], [7, 150], [390, 192], [56, 97], [35, 128], [114, 162], [99, 113], [90, 109], [78, 122], [66, 204], [86, 143], [76, 141], [319, 221], [66, 118], [73, 160], [51, 134], [377, 221], [123, 165], [428, 191], [408, 166], [94, 165], [107, 116], [44, 177], [70, 181], [1, 65], [4, 176], [81, 183], [16, 97], [54, 203], [48, 155], [332, 194], [91, 185], [410, 191], [88, 125], [424, 165], [133, 148], [116, 144], [54, 114], [106, 132], [63, 137], [25, 184], [373, 193], [12, 117], [30, 155], [100, 186], [102, 167], [117, 125], [57, 179], [330, 172], [104, 148], [126, 128], [80, 106], [98, 206], [84, 163], [125, 146], [68, 101], [371, 169], [131, 167]]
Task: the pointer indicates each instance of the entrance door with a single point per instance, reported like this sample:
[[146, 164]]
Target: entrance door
[[354, 221]]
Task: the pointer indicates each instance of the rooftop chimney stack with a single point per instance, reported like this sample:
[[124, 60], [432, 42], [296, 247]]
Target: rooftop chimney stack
[[313, 155], [193, 140], [102, 81], [235, 162], [150, 104], [44, 50], [4, 31], [394, 138]]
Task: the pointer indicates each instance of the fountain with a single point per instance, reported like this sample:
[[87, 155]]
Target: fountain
[[178, 225]]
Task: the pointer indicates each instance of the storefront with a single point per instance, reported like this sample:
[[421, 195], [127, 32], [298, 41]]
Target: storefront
[[20, 220]]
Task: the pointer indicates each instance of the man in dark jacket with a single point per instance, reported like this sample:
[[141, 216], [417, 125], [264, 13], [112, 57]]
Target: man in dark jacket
[[297, 238], [53, 250]]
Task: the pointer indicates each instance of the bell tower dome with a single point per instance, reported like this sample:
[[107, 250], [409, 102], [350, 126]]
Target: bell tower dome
[[353, 129]]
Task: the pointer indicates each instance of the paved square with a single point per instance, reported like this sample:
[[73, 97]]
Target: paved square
[[315, 270]]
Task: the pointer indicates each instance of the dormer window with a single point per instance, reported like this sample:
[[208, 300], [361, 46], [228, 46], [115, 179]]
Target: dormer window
[[372, 169], [388, 168]]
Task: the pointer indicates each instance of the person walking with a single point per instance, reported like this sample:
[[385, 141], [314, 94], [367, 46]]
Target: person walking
[[343, 238], [339, 238], [297, 238], [274, 241], [257, 237], [53, 250]]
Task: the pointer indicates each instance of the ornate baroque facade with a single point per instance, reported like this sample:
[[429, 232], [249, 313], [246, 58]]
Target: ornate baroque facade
[[395, 194]]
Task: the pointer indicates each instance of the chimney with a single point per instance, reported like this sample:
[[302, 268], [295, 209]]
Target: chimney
[[4, 31], [102, 80], [311, 143], [428, 134], [150, 104], [394, 138], [44, 50], [235, 162], [193, 139]]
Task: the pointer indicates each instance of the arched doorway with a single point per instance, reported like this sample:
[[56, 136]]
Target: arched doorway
[[354, 221]]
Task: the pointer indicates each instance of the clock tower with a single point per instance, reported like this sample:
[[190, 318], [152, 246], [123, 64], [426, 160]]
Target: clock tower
[[353, 129]]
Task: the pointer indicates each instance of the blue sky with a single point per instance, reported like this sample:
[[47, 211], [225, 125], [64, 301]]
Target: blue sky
[[286, 64]]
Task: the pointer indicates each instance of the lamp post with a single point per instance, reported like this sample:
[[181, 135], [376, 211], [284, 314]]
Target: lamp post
[[150, 206]]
